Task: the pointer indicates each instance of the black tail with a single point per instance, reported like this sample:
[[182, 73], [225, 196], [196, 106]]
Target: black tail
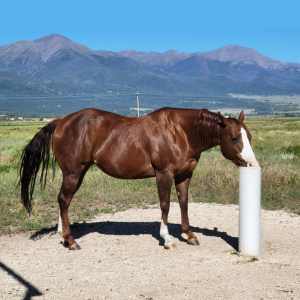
[[35, 153]]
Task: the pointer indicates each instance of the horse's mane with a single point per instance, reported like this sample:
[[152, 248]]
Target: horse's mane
[[207, 126]]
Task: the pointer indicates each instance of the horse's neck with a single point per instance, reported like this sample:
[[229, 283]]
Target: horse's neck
[[206, 131], [200, 126]]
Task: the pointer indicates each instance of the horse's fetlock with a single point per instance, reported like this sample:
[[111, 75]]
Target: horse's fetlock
[[67, 236], [186, 230]]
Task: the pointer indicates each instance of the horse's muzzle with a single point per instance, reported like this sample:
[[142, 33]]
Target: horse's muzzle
[[239, 162], [253, 164]]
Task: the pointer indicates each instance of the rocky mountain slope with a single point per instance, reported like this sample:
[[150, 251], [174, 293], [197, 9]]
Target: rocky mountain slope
[[61, 65]]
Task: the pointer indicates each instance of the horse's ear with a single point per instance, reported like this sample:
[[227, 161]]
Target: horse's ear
[[222, 121], [241, 117]]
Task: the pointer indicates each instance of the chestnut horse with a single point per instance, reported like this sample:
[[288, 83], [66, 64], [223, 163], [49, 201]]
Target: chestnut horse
[[166, 144]]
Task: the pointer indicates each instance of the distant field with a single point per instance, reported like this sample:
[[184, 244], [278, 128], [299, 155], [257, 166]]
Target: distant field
[[123, 103], [279, 104], [276, 143]]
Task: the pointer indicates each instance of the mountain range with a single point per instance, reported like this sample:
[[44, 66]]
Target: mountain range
[[57, 65]]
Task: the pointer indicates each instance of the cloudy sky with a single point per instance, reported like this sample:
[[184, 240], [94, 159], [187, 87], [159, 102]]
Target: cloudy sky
[[271, 27]]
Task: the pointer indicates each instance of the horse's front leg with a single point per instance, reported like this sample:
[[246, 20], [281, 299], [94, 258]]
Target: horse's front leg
[[164, 184], [182, 185]]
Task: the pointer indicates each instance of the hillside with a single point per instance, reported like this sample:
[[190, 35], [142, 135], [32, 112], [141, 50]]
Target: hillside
[[67, 65]]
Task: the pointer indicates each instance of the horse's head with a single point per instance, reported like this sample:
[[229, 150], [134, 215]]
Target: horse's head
[[235, 141]]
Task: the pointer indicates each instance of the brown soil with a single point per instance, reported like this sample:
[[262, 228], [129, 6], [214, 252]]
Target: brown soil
[[122, 257]]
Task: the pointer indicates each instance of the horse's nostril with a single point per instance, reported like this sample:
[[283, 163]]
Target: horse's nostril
[[253, 164]]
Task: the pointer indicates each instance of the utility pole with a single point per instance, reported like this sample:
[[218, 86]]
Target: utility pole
[[138, 106]]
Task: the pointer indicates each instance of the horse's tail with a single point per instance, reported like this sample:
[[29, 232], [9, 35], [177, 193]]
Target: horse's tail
[[37, 152]]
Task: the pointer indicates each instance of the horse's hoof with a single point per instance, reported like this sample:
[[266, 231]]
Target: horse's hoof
[[193, 242], [74, 247], [170, 247]]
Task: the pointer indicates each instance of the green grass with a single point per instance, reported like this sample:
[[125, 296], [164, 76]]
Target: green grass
[[276, 144]]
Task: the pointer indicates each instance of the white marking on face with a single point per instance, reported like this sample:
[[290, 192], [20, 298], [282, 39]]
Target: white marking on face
[[59, 226], [247, 153], [164, 233]]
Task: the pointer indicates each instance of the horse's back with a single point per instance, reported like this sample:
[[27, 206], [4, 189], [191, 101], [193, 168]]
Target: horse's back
[[117, 144], [123, 147]]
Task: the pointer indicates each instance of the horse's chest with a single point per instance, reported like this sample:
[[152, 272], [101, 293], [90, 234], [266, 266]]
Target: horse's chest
[[187, 167]]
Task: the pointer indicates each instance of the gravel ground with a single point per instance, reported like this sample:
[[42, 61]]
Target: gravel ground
[[122, 257]]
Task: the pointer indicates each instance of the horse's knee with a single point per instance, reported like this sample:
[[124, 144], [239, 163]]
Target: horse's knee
[[165, 207]]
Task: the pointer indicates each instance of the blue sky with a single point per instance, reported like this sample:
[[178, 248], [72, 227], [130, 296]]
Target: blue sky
[[271, 27]]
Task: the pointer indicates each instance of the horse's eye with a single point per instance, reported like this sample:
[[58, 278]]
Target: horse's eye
[[234, 140]]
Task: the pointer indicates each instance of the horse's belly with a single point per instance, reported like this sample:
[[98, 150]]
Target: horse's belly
[[128, 174], [134, 169]]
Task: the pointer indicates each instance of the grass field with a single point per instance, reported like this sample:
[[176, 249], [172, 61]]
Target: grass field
[[276, 144]]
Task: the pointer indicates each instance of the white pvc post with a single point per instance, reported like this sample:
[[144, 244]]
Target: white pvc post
[[249, 219]]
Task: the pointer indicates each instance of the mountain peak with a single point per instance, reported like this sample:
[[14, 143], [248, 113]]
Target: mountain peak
[[233, 47], [129, 52], [172, 51], [50, 44], [51, 37], [238, 54]]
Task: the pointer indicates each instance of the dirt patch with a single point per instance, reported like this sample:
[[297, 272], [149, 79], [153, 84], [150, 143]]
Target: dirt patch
[[122, 257]]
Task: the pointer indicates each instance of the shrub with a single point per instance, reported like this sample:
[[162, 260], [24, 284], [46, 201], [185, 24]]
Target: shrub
[[295, 150], [4, 169]]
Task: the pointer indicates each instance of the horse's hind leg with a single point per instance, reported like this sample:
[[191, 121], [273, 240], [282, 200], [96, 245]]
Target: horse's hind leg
[[59, 224], [70, 184], [182, 185]]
